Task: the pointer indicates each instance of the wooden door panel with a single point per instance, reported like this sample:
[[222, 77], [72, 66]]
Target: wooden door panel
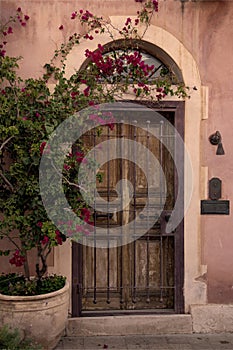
[[139, 275], [100, 275]]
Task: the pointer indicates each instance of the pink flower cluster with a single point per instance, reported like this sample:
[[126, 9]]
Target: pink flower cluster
[[154, 3], [141, 87], [74, 15], [160, 93], [73, 94], [44, 148], [86, 215], [79, 157], [17, 259], [66, 167], [22, 18], [9, 30], [87, 36], [58, 237], [2, 52], [128, 21], [84, 16], [110, 122], [97, 118], [106, 65], [86, 91], [71, 229], [45, 239], [135, 60]]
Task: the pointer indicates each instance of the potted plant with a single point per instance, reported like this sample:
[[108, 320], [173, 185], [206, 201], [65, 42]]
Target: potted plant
[[30, 112]]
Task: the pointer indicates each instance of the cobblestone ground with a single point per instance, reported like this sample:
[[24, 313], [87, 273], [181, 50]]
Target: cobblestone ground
[[158, 342]]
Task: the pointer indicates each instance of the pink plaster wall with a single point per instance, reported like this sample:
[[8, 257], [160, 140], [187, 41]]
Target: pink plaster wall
[[206, 30]]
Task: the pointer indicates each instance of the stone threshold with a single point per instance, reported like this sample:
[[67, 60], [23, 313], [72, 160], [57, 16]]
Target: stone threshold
[[129, 325]]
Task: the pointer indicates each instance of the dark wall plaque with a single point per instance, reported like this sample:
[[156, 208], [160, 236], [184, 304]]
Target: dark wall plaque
[[217, 207]]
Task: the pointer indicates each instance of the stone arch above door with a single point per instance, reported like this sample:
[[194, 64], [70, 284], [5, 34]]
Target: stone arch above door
[[146, 48]]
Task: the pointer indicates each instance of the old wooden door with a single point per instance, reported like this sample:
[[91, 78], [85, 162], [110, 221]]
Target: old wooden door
[[145, 275]]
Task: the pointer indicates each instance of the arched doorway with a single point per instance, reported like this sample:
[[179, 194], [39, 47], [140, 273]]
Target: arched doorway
[[146, 275]]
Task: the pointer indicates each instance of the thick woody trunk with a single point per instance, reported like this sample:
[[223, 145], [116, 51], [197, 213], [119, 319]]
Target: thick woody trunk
[[41, 261]]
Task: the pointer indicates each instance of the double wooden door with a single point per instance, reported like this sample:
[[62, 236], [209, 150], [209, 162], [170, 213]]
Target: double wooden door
[[144, 271]]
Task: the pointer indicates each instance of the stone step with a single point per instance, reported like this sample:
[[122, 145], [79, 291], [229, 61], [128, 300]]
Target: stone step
[[126, 325]]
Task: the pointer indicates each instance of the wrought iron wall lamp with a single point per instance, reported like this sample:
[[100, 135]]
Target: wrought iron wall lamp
[[216, 140]]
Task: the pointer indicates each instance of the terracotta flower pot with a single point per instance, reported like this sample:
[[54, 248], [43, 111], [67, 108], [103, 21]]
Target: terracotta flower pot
[[41, 318]]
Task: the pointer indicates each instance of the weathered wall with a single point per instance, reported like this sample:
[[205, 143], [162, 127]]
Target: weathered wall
[[205, 28]]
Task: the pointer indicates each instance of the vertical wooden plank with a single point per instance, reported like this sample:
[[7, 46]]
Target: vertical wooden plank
[[179, 234], [76, 279]]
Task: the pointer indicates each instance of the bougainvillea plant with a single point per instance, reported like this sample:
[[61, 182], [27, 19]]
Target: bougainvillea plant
[[30, 112]]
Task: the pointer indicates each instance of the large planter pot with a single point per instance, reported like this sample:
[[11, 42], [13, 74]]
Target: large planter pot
[[42, 318]]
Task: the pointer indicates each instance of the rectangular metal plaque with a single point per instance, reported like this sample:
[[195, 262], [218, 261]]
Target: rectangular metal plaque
[[216, 207]]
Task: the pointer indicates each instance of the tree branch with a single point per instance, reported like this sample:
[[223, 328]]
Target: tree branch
[[66, 180], [7, 182], [5, 142], [11, 240]]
